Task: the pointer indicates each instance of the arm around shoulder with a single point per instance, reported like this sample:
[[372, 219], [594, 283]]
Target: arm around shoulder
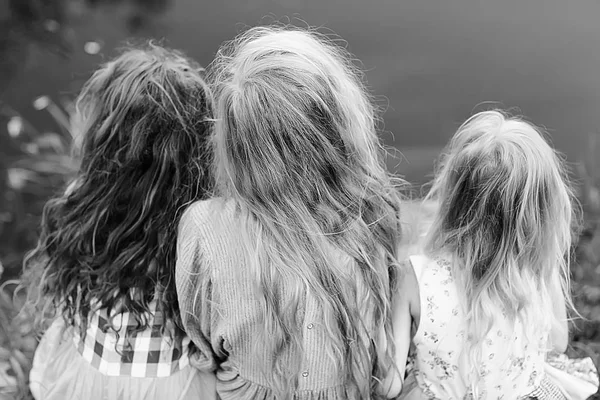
[[193, 281], [189, 266]]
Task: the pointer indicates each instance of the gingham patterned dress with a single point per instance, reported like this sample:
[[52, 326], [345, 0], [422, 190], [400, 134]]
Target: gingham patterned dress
[[144, 354], [111, 364]]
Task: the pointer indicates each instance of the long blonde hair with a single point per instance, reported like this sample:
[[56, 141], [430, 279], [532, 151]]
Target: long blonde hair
[[296, 149], [506, 215]]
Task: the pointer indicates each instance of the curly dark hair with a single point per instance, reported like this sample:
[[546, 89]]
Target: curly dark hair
[[110, 239]]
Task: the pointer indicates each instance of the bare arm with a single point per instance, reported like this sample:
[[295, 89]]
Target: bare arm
[[401, 324], [559, 335]]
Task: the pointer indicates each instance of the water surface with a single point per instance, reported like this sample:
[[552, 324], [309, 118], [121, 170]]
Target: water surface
[[429, 62]]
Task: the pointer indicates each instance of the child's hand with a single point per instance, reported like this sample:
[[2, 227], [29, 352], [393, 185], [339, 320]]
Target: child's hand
[[391, 385]]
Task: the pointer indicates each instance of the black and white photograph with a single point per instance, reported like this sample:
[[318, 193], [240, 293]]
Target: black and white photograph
[[299, 199]]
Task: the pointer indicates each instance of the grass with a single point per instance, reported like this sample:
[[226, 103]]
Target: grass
[[38, 164]]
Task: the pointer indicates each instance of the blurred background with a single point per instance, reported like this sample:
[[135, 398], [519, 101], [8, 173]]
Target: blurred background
[[430, 63]]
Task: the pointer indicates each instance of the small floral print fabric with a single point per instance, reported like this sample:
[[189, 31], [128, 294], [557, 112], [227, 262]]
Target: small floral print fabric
[[510, 366]]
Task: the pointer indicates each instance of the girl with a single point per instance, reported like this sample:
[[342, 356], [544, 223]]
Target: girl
[[105, 260], [487, 298], [284, 281]]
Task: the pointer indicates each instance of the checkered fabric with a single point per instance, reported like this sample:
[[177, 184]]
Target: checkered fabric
[[547, 391], [143, 354]]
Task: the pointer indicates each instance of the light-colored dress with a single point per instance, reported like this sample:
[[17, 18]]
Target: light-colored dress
[[512, 366], [221, 313], [110, 366]]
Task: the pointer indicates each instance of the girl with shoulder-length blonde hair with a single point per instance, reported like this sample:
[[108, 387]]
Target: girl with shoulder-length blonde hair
[[285, 279], [489, 293]]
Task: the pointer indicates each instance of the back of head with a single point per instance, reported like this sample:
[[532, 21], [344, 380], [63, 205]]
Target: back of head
[[296, 148], [142, 135], [505, 215], [299, 100]]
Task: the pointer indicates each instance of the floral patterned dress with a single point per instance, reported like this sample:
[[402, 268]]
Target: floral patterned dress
[[512, 366]]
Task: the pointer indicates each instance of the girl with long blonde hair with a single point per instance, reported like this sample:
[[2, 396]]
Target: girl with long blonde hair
[[284, 280], [487, 299]]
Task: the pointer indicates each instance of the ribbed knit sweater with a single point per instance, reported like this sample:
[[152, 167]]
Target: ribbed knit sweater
[[221, 314]]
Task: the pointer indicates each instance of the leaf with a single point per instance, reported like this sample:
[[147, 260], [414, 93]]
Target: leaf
[[51, 25], [592, 293], [41, 103], [18, 177], [92, 48], [52, 141], [15, 126]]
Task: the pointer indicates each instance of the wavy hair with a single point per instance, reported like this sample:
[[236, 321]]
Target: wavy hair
[[506, 216], [110, 239], [296, 149]]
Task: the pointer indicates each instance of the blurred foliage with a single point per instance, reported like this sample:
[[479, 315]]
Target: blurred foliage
[[586, 268], [47, 25], [34, 165], [17, 346]]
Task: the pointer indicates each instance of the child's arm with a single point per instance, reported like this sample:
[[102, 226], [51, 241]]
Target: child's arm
[[559, 335], [401, 325], [193, 282]]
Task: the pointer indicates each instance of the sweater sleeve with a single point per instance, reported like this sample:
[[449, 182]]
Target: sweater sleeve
[[194, 284]]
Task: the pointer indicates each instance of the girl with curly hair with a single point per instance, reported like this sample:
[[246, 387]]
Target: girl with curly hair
[[103, 270]]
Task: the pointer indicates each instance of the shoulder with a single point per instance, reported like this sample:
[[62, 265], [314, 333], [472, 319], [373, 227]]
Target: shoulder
[[201, 215], [418, 264], [195, 229], [409, 283], [422, 270], [204, 210]]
